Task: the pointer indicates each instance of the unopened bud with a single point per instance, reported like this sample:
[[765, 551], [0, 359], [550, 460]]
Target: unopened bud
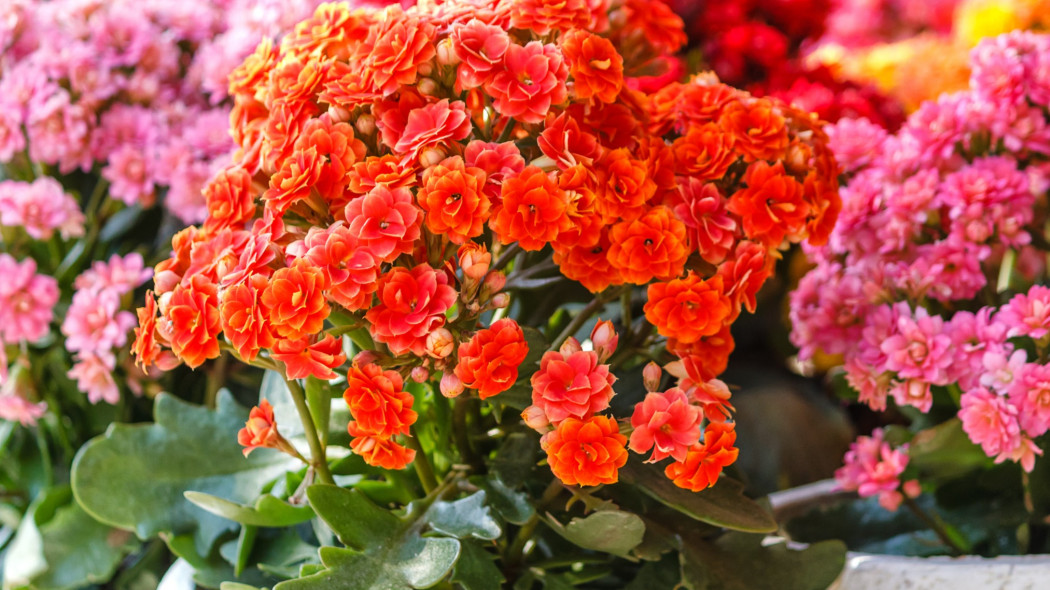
[[605, 339], [427, 87], [475, 260], [494, 283], [446, 53], [365, 357], [570, 346], [440, 343], [501, 300], [338, 114], [425, 69], [651, 376], [535, 418], [911, 488], [451, 385], [165, 281], [420, 374], [431, 156], [365, 124]]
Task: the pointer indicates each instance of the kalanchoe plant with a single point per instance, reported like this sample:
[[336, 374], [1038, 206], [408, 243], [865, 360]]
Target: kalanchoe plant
[[428, 212], [931, 289]]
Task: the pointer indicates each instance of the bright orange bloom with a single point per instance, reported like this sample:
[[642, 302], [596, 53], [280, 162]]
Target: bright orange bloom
[[195, 325], [331, 31], [688, 309], [586, 225], [659, 162], [702, 103], [294, 300], [543, 16], [378, 402], [253, 71], [586, 452], [489, 361], [531, 80], [283, 124], [372, 171], [303, 359], [589, 265], [758, 128], [438, 124], [145, 348], [656, 23], [399, 46], [705, 152], [352, 270], [532, 212], [475, 260], [230, 199], [624, 187], [379, 452], [824, 204], [412, 304], [296, 79], [705, 461], [571, 383], [594, 65], [260, 431], [652, 246], [745, 273], [244, 319], [772, 206], [386, 221], [567, 144], [452, 197], [710, 353]]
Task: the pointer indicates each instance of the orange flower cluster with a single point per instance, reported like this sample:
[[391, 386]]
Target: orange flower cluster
[[387, 158]]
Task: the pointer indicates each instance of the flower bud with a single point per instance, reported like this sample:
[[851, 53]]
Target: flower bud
[[535, 418], [446, 53], [475, 260], [425, 69], [431, 156], [338, 114], [451, 385], [651, 375], [420, 374], [365, 124], [911, 488], [494, 283], [501, 300], [440, 343], [605, 339], [365, 357], [570, 346], [427, 87]]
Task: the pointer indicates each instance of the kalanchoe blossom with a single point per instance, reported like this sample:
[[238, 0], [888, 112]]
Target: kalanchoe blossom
[[666, 423], [40, 208], [873, 468], [27, 300]]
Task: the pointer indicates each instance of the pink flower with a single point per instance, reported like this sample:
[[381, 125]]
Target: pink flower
[[433, 125], [480, 48], [95, 324], [667, 423], [531, 81], [121, 274], [991, 421], [1028, 314], [128, 172], [386, 221], [58, 132], [988, 196], [856, 142], [710, 228], [571, 384], [973, 335], [1000, 369], [94, 375], [919, 347], [872, 467], [1030, 392], [872, 384], [27, 301], [40, 208], [913, 392], [412, 303]]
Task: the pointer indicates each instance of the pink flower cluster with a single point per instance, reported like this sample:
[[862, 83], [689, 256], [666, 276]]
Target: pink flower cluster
[[40, 208], [937, 218], [27, 301], [873, 468], [132, 89]]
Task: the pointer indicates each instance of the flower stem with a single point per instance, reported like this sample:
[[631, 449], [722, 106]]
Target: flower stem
[[516, 551], [423, 468], [317, 452], [936, 525], [584, 315]]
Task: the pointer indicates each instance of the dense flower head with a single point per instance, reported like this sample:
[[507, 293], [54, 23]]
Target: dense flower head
[[666, 423], [688, 309], [873, 468], [294, 300], [40, 207], [378, 402], [586, 452], [489, 361], [412, 303], [27, 301], [571, 383]]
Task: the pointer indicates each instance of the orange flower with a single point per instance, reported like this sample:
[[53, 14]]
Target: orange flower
[[624, 186], [594, 65], [771, 206], [283, 124], [567, 144], [758, 128], [589, 265], [705, 152], [489, 361], [653, 246], [303, 359], [711, 353], [260, 431], [372, 171], [452, 197], [585, 224], [378, 403], [244, 317], [145, 348], [655, 22], [330, 31], [480, 48], [352, 270], [825, 205], [531, 81], [586, 452], [745, 273], [195, 325], [711, 229], [688, 309], [400, 44], [230, 199], [386, 221], [543, 16], [294, 300], [380, 452], [705, 461], [532, 212], [439, 124], [253, 72]]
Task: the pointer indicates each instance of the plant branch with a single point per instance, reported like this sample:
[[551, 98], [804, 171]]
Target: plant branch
[[936, 525], [516, 552], [318, 460], [423, 468], [584, 315]]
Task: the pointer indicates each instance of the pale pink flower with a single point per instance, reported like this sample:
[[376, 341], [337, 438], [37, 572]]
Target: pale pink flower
[[40, 208], [27, 301], [919, 347], [94, 376], [872, 384], [666, 423], [1030, 392], [991, 421], [14, 407], [973, 335], [873, 467], [1028, 314], [95, 323], [121, 274], [1001, 368], [128, 172], [856, 142]]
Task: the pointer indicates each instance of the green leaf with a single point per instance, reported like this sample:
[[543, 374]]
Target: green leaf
[[135, 475], [319, 400], [739, 561], [945, 452], [466, 517], [654, 575], [723, 505], [513, 506], [476, 569], [120, 223], [237, 586], [245, 543], [516, 458], [267, 511], [384, 552], [610, 531]]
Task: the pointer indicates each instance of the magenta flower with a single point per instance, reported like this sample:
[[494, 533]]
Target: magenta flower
[[873, 467]]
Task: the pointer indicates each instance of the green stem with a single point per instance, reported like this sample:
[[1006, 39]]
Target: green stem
[[1024, 532], [423, 468], [516, 551], [625, 309], [584, 315], [459, 432], [45, 457], [317, 452], [936, 525], [508, 129]]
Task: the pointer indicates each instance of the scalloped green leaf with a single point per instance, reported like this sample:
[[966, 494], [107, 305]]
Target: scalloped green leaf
[[466, 517], [267, 511], [610, 531], [134, 476]]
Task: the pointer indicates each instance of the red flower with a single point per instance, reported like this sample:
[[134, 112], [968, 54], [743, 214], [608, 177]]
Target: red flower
[[294, 300], [399, 45], [531, 81], [711, 229], [480, 48], [705, 461], [745, 273], [710, 353], [195, 325], [688, 309], [386, 221], [378, 403], [412, 303], [145, 348], [372, 171], [667, 423], [543, 16], [244, 319], [352, 270], [758, 128], [772, 206], [595, 66], [489, 361], [532, 212], [453, 198], [302, 359], [652, 246], [567, 144], [586, 452], [571, 384], [440, 123]]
